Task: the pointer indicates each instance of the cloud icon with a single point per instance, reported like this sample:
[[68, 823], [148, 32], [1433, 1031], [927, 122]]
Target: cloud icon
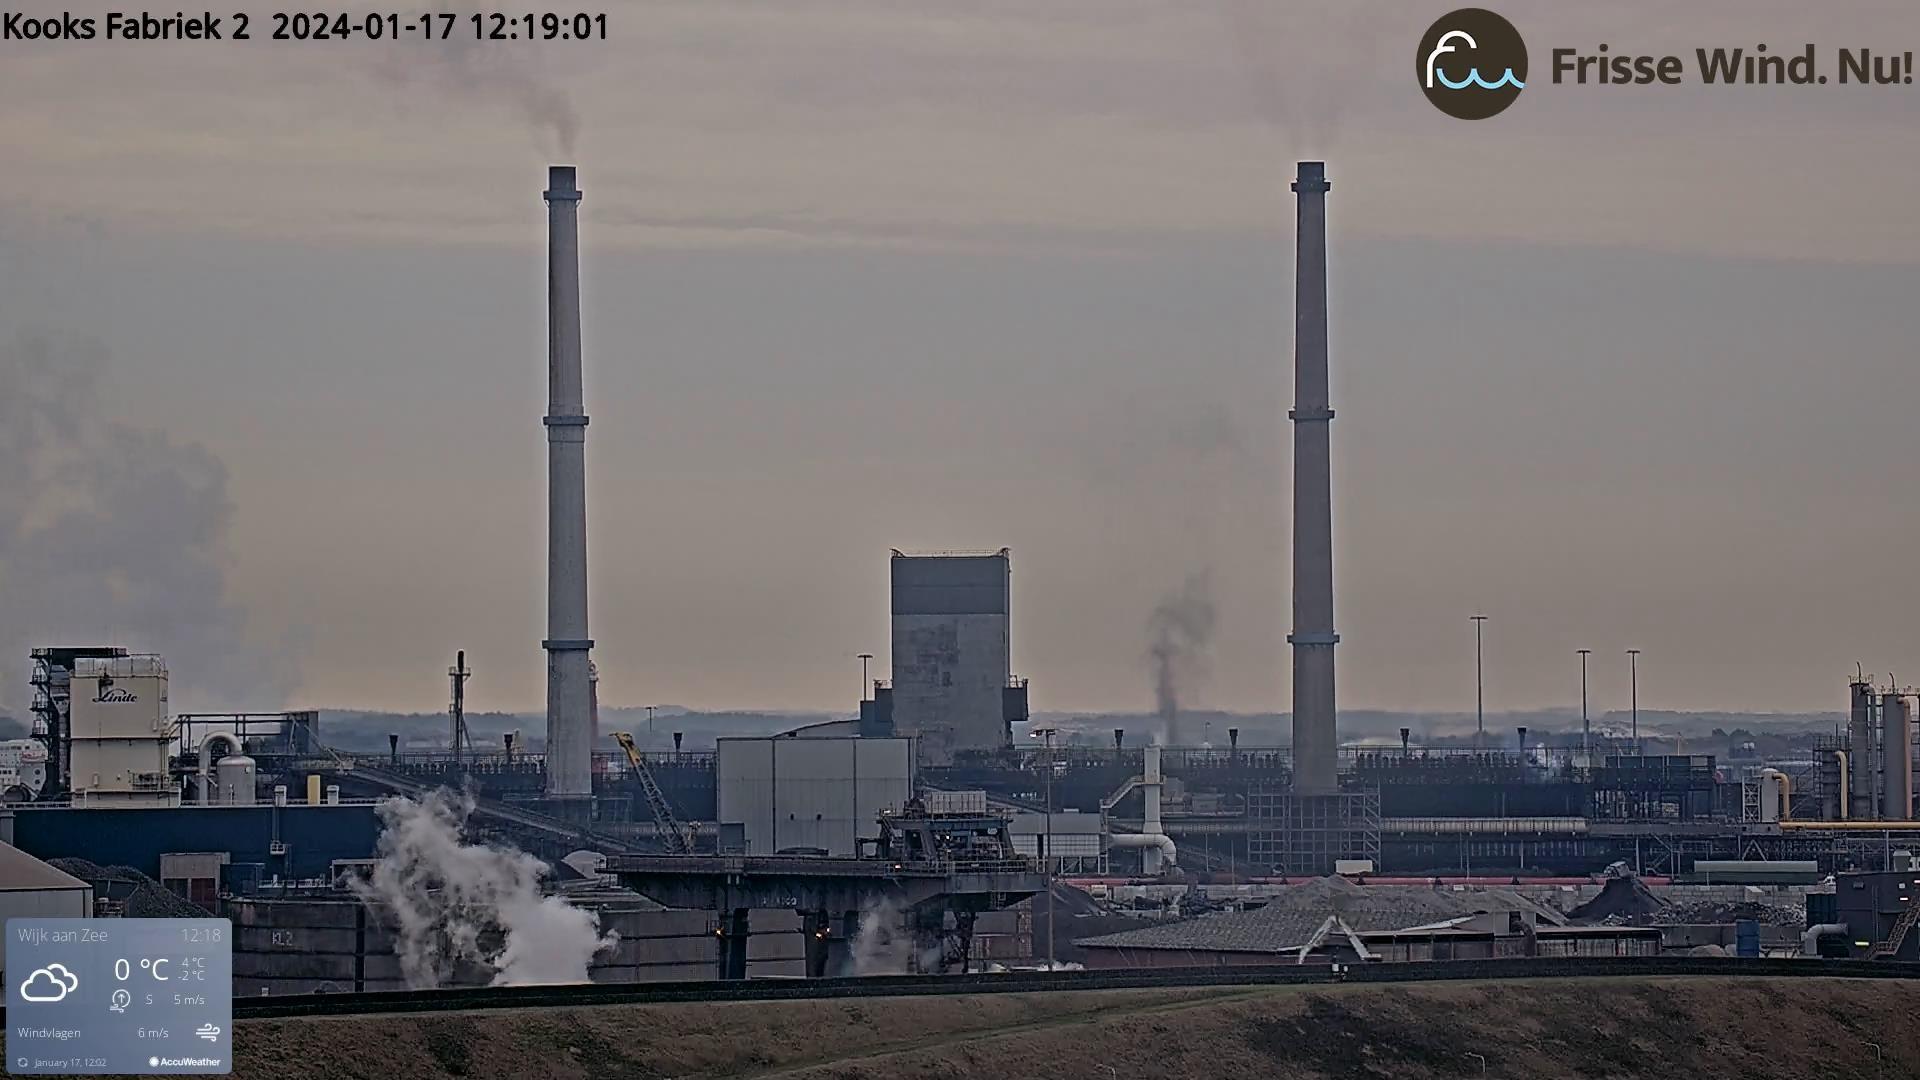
[[51, 983]]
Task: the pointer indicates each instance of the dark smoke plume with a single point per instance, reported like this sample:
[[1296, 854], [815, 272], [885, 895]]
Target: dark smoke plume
[[504, 73], [113, 535], [1178, 633]]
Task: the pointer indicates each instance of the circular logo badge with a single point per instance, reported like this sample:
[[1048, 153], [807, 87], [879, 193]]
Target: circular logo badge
[[1471, 64]]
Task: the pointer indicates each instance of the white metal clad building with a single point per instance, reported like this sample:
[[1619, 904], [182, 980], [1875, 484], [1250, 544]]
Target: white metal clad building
[[31, 889], [825, 793], [121, 731], [1076, 841]]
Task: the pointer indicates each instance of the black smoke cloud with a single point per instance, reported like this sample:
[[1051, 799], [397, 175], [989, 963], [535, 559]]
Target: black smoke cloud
[[1179, 633]]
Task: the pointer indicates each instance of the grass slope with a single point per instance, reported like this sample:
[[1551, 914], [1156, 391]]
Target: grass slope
[[1627, 1027]]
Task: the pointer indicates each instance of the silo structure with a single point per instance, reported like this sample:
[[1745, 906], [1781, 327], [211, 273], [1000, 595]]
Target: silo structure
[[1896, 757]]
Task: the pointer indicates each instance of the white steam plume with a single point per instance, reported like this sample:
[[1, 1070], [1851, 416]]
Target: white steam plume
[[1178, 634], [115, 535], [882, 945], [451, 897]]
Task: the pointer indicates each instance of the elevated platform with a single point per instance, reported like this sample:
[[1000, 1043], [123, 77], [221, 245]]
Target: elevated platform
[[927, 876], [807, 883]]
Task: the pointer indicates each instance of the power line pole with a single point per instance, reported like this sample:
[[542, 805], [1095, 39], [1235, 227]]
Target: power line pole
[[1586, 726], [1479, 689], [1633, 659]]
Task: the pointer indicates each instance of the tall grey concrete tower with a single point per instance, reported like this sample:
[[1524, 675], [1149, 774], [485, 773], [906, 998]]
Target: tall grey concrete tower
[[569, 674], [1315, 749]]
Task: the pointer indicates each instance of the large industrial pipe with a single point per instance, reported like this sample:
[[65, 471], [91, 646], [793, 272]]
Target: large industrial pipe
[[1841, 757], [1160, 846], [1150, 824], [203, 773], [1810, 941], [569, 686], [1315, 751]]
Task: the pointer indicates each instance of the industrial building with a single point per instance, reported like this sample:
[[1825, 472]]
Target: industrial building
[[772, 847], [953, 685], [104, 718], [1333, 919], [817, 794], [30, 889]]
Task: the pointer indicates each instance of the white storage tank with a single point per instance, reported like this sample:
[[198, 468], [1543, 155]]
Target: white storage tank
[[234, 778]]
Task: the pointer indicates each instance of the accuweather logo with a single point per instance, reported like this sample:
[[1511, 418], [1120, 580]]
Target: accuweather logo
[[1472, 64]]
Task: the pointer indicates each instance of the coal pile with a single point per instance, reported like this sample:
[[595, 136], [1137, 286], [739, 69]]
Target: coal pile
[[136, 895], [1623, 900]]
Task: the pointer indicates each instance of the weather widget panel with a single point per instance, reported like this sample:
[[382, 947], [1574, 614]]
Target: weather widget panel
[[119, 996]]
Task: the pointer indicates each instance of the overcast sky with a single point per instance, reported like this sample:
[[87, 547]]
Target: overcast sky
[[1621, 367]]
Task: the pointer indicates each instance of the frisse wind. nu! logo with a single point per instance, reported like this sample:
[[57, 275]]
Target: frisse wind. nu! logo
[[1472, 63]]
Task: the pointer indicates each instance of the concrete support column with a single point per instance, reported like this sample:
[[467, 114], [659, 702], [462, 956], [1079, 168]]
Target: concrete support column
[[733, 944], [830, 943]]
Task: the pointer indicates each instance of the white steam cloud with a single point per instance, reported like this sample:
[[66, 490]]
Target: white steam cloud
[[458, 902], [881, 946], [112, 534]]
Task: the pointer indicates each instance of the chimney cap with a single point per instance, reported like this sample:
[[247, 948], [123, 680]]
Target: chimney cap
[[561, 184]]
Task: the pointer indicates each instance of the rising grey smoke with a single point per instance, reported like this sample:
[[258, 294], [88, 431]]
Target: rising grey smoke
[[459, 903], [1302, 61], [114, 534], [1178, 634], [505, 73]]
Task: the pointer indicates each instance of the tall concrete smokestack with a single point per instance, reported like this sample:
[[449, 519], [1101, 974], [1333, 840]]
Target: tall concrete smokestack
[[569, 675], [1315, 764]]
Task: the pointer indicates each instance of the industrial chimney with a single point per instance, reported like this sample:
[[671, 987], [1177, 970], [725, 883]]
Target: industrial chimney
[[1315, 751], [569, 689]]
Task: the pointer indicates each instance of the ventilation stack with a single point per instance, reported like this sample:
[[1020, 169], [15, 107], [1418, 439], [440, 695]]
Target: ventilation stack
[[1896, 757], [1315, 749], [1860, 756], [569, 674]]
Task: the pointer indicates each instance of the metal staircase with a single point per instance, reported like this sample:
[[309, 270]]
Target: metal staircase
[[1898, 935]]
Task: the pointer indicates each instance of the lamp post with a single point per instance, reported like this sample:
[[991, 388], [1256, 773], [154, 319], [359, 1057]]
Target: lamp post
[[1046, 843], [1586, 726], [1633, 661], [1479, 689]]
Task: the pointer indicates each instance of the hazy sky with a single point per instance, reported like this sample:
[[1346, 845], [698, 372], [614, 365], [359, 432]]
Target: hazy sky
[[1620, 367]]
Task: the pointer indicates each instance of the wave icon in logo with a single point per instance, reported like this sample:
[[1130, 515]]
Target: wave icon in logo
[[1454, 53], [1473, 77]]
